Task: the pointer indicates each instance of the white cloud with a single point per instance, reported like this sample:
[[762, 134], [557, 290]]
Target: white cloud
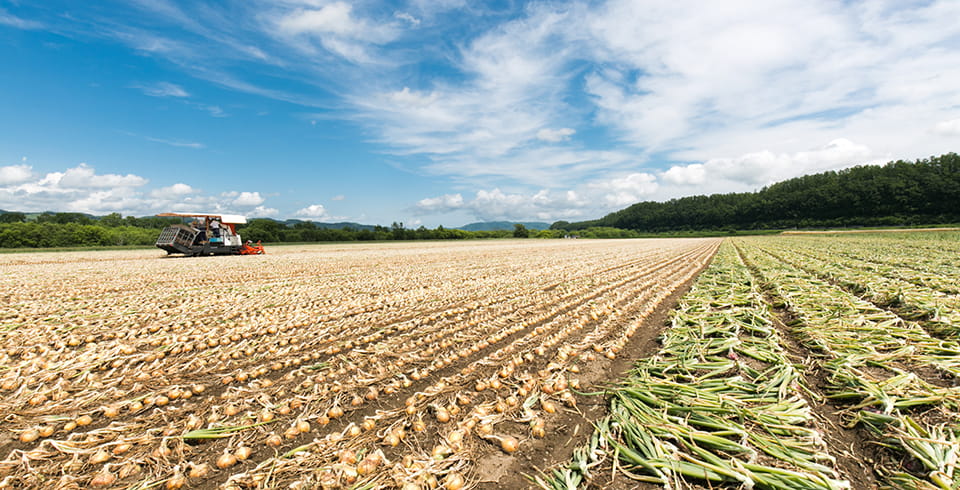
[[82, 189], [83, 176], [178, 144], [175, 190], [7, 19], [78, 189], [248, 199], [407, 17], [441, 204], [338, 197], [312, 211], [948, 128], [264, 212], [164, 89], [625, 190], [214, 111], [693, 174], [14, 174], [337, 28], [685, 83], [766, 167], [546, 205], [554, 135]]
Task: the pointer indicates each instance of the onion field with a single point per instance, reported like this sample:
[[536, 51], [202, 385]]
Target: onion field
[[357, 366], [778, 362], [795, 362]]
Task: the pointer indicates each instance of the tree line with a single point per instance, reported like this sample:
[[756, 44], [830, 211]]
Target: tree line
[[50, 230], [899, 193]]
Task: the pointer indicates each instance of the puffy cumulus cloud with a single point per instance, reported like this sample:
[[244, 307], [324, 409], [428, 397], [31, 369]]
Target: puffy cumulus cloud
[[312, 211], [625, 190], [494, 204], [554, 135], [264, 212], [110, 200], [14, 174], [764, 167], [84, 176], [248, 199], [82, 189], [693, 174], [78, 189], [178, 189], [441, 204]]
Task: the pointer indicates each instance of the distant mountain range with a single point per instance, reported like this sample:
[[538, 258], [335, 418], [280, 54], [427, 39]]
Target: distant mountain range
[[504, 225], [327, 226]]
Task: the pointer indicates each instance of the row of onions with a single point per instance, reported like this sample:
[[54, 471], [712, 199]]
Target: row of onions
[[935, 310], [904, 260], [718, 403], [889, 374], [300, 374]]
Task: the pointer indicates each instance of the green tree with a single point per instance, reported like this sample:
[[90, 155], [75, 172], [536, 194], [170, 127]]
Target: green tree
[[12, 217], [520, 231], [265, 230], [112, 220]]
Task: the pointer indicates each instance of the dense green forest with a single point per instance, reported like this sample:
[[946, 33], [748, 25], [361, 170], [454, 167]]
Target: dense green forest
[[896, 194]]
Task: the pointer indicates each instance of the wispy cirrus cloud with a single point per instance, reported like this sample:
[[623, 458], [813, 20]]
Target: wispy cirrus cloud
[[10, 20], [177, 143], [163, 89], [335, 28]]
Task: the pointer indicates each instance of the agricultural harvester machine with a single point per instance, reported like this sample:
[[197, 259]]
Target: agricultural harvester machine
[[206, 234]]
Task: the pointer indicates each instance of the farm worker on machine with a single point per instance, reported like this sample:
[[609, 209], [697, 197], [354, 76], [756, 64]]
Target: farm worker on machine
[[207, 234]]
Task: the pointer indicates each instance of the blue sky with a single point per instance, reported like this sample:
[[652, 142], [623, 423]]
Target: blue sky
[[445, 112]]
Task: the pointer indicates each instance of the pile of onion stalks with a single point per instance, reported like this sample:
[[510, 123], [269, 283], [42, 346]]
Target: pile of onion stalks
[[879, 368], [720, 402], [936, 311], [929, 262]]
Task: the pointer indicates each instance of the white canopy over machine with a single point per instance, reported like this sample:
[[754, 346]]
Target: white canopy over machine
[[235, 219]]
